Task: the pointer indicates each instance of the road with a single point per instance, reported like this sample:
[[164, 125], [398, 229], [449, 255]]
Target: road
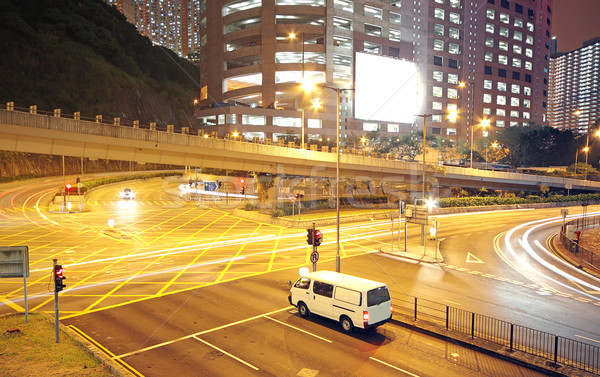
[[167, 271]]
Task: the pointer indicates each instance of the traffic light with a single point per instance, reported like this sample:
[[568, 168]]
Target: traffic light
[[243, 190], [318, 238], [296, 195], [309, 236], [68, 187], [77, 179], [58, 278]]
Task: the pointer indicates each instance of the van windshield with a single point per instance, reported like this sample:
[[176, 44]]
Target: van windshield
[[377, 296]]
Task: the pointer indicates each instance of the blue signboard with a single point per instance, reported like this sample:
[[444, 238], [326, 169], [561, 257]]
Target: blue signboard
[[210, 186]]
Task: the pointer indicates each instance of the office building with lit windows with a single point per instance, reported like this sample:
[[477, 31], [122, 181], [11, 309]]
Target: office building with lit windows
[[397, 58], [574, 92]]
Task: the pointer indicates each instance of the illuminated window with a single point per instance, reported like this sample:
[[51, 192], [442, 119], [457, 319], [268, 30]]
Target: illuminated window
[[527, 90], [455, 3], [395, 35], [436, 105], [489, 42], [392, 127], [500, 123], [395, 18], [436, 118], [504, 18], [528, 66], [518, 36], [503, 45], [487, 98], [438, 13], [500, 100], [453, 48], [514, 123], [514, 113], [526, 115], [489, 28], [346, 5], [454, 33], [438, 45], [453, 78], [373, 12], [529, 53], [487, 110], [518, 22], [530, 27], [529, 40], [342, 23], [240, 5], [438, 76], [516, 62], [395, 3], [516, 89], [373, 30], [374, 48], [370, 126], [500, 112], [526, 103], [517, 49], [452, 93], [438, 91], [490, 14], [286, 122], [438, 29], [514, 101], [503, 32], [489, 57], [455, 18], [502, 86], [487, 84], [503, 59]]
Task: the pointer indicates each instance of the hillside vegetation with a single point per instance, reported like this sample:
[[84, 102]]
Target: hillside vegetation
[[82, 55]]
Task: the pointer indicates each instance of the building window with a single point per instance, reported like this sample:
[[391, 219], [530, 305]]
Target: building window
[[526, 103], [453, 78], [436, 118], [503, 45], [452, 93], [373, 30], [504, 18], [530, 13], [455, 3], [501, 72], [370, 126], [488, 70], [502, 86], [518, 36], [373, 12], [526, 115], [437, 91], [343, 42], [487, 98], [515, 89], [514, 114], [518, 22], [489, 57], [529, 53], [436, 105], [489, 42], [530, 27], [395, 18], [342, 23], [514, 101], [527, 77], [503, 32], [455, 18], [438, 45], [453, 48], [500, 123], [453, 63], [503, 59], [517, 49], [487, 84], [438, 13], [395, 35], [454, 33], [395, 52], [347, 5], [504, 4], [374, 48], [516, 75], [392, 127], [489, 28], [438, 29], [516, 63], [529, 40], [519, 8], [500, 112], [527, 90], [438, 76], [395, 3], [438, 60], [490, 13]]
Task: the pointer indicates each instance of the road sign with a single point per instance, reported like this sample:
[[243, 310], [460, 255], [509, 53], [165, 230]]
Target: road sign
[[416, 214], [314, 256], [210, 186]]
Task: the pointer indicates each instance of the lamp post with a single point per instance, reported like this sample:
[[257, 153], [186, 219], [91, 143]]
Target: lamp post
[[451, 115], [337, 170], [587, 141]]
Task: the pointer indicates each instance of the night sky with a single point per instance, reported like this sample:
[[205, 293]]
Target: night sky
[[575, 21]]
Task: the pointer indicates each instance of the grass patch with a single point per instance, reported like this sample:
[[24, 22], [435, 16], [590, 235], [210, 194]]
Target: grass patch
[[35, 352]]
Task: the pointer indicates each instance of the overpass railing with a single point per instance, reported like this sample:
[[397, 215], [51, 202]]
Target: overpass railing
[[557, 349], [171, 140]]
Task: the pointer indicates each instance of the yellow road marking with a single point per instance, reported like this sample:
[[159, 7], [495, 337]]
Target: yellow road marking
[[275, 246], [236, 254]]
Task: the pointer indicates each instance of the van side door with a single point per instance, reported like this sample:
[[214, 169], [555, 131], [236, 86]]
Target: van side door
[[321, 299]]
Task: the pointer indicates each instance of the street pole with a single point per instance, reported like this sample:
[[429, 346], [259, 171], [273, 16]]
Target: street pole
[[303, 93], [424, 153], [55, 303], [337, 180]]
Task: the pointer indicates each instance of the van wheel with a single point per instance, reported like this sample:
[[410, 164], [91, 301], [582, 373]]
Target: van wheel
[[303, 310], [347, 324]]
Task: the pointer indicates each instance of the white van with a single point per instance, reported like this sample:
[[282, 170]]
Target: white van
[[353, 301]]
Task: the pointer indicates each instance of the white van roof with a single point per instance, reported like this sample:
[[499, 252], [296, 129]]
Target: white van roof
[[348, 281]]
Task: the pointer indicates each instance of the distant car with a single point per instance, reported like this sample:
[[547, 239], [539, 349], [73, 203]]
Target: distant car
[[127, 194]]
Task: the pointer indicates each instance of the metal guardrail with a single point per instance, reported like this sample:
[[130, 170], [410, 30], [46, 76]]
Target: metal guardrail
[[584, 255], [557, 349]]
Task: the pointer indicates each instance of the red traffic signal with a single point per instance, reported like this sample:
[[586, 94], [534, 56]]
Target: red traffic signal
[[58, 278], [318, 238]]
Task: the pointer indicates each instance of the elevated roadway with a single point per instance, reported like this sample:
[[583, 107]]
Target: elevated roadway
[[47, 134]]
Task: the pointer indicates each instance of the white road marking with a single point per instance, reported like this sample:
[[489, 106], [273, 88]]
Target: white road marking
[[225, 352], [394, 367], [297, 328], [473, 259]]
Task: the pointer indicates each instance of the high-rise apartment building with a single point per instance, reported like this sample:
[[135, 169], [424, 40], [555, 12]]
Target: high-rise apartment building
[[574, 94], [174, 24], [394, 58]]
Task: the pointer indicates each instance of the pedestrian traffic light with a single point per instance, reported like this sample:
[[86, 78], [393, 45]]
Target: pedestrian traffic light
[[318, 238], [77, 179], [58, 278], [309, 236], [243, 190], [68, 187]]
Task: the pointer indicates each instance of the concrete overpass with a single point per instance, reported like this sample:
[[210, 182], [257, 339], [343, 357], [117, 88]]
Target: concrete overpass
[[56, 135]]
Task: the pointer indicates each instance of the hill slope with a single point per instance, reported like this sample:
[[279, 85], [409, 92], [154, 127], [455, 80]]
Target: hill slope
[[82, 55]]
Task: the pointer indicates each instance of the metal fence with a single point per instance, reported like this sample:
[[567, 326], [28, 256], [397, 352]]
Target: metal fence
[[557, 349], [584, 255]]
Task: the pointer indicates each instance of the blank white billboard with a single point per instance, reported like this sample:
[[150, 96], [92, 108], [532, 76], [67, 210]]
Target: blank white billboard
[[386, 89]]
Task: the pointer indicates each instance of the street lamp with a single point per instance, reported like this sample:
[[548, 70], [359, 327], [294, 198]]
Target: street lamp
[[306, 86], [337, 170], [463, 84], [484, 123], [452, 116], [587, 142]]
